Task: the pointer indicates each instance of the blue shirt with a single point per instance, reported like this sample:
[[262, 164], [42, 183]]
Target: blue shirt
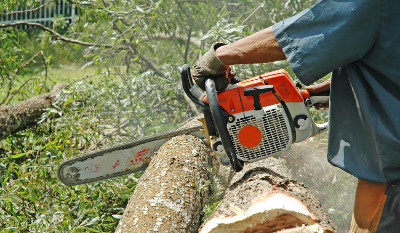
[[359, 42]]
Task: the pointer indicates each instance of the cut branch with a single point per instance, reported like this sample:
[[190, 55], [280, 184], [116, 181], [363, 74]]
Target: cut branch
[[20, 116]]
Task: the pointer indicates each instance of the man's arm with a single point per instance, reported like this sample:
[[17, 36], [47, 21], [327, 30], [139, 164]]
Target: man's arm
[[261, 47]]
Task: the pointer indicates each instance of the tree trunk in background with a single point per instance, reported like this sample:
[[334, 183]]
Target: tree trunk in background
[[262, 198], [19, 116], [171, 193]]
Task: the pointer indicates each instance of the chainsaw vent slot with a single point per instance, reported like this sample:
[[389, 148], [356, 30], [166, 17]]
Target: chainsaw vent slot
[[275, 131]]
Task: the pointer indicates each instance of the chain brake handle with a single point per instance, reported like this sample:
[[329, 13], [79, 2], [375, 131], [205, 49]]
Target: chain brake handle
[[220, 121]]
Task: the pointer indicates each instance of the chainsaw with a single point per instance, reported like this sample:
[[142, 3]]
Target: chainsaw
[[248, 121]]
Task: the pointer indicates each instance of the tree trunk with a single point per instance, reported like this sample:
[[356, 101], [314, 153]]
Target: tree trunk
[[262, 198], [21, 115], [171, 193]]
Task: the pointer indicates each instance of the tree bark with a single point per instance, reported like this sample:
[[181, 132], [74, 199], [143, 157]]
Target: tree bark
[[261, 198], [19, 116], [171, 193]]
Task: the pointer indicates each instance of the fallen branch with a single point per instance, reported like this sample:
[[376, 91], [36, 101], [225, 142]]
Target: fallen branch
[[19, 116]]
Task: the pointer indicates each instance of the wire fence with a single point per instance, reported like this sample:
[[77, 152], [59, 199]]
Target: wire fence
[[45, 13]]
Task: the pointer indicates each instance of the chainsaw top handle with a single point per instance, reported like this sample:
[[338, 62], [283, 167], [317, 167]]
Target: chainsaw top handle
[[191, 90]]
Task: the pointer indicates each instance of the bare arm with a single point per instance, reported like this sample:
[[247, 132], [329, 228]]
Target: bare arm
[[260, 47]]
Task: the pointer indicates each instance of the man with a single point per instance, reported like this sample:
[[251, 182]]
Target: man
[[359, 42]]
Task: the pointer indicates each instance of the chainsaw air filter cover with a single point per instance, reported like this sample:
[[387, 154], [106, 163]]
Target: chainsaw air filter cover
[[257, 134]]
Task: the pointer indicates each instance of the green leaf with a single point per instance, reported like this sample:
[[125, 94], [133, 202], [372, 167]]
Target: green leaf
[[99, 70], [19, 155], [69, 100], [93, 221]]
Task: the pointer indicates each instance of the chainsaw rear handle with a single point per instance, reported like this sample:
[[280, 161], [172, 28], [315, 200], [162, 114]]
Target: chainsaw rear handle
[[319, 98], [220, 124]]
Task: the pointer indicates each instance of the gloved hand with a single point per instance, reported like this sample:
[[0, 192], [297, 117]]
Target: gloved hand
[[319, 88], [210, 65]]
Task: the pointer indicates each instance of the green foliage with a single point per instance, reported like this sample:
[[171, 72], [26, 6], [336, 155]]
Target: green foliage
[[11, 52], [88, 115], [11, 55], [209, 209], [31, 197]]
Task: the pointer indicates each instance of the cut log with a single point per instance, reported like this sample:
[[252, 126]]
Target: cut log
[[19, 116], [333, 187], [171, 193], [262, 198]]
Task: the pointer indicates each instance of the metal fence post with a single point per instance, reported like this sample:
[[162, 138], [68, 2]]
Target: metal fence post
[[73, 13], [44, 15]]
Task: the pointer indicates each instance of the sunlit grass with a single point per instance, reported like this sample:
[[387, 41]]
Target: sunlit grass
[[37, 81], [71, 72]]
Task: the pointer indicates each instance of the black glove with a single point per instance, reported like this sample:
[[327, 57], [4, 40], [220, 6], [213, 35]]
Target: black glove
[[210, 65]]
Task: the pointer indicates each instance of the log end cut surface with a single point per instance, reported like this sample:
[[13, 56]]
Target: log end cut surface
[[261, 198]]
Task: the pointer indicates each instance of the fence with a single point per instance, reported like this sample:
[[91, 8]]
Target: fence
[[45, 13]]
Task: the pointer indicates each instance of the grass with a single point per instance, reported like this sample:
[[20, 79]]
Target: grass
[[71, 72], [36, 82]]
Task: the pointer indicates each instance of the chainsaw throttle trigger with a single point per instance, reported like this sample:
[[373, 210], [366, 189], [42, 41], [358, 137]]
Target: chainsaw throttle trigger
[[256, 92]]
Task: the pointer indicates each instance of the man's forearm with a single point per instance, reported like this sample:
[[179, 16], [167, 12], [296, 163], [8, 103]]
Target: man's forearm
[[260, 47]]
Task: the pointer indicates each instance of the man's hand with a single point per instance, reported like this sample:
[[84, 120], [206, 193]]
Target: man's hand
[[210, 65], [320, 88]]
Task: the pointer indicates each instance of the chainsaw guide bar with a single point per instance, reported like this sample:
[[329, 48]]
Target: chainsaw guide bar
[[118, 160]]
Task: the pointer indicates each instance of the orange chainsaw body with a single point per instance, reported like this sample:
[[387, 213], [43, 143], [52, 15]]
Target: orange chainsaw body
[[234, 101]]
